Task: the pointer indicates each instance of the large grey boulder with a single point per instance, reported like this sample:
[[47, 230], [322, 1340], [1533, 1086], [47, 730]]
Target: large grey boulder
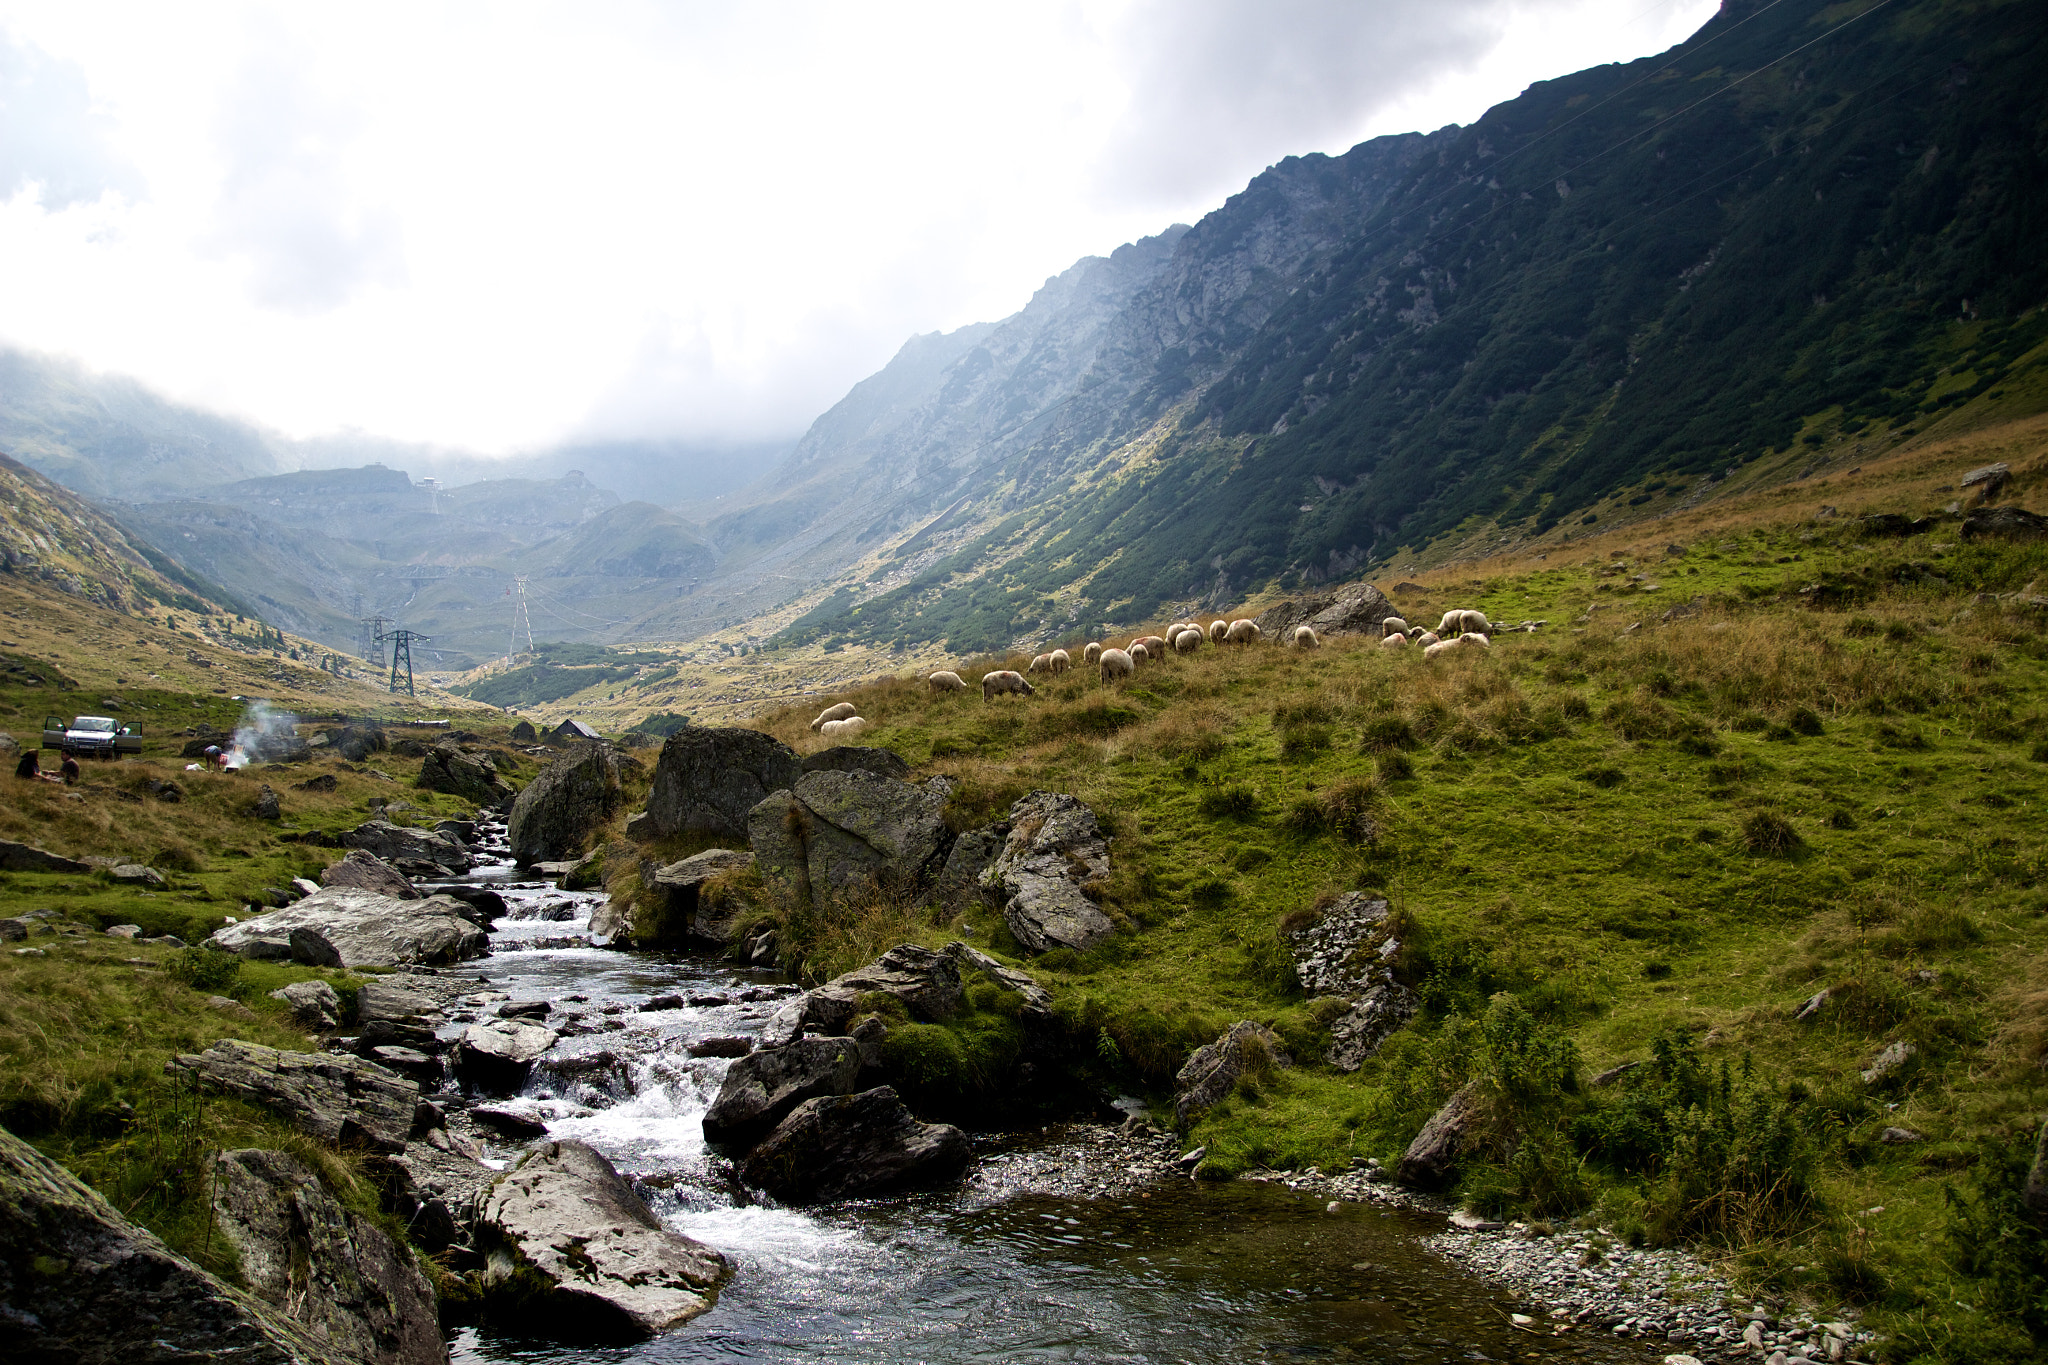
[[573, 795], [1212, 1071], [1054, 851], [499, 1056], [473, 777], [81, 1285], [927, 982], [709, 777], [2011, 523], [415, 852], [1354, 609], [314, 1005], [357, 742], [28, 858], [1432, 1157], [846, 1146], [335, 1272], [365, 871], [1349, 955], [835, 832], [762, 1087], [365, 928], [572, 1251], [343, 1100]]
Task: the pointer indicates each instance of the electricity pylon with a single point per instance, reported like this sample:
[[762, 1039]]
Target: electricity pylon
[[402, 642], [521, 622], [373, 640]]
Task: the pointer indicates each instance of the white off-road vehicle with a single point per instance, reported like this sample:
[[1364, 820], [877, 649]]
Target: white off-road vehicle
[[91, 736]]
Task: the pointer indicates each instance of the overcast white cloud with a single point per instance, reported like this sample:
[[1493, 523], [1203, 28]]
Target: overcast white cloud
[[503, 226]]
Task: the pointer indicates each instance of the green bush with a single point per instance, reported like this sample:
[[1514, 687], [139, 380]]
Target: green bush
[[1233, 801], [1769, 834], [206, 969]]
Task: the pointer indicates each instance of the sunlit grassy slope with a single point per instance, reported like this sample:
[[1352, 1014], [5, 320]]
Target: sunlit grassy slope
[[1754, 753]]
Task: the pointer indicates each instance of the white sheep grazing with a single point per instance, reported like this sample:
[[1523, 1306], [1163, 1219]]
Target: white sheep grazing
[[1059, 661], [843, 729], [1393, 625], [1440, 647], [1004, 680], [1173, 631], [832, 713], [1457, 622], [1091, 652], [1039, 661], [1241, 632], [946, 681], [1427, 638], [1475, 638], [1189, 640], [1139, 654], [1393, 642], [1303, 637], [1155, 646], [1460, 642], [1116, 664], [1218, 629]]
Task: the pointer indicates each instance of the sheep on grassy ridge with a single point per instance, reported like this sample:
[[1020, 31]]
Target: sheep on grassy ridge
[[1004, 680], [1303, 637], [1155, 646], [1218, 629], [1139, 654], [1426, 638], [840, 711], [1039, 661], [1393, 642], [1188, 640], [1460, 642], [1393, 625], [843, 729], [1116, 664], [1243, 631], [1091, 652], [1059, 661], [1457, 621], [946, 681]]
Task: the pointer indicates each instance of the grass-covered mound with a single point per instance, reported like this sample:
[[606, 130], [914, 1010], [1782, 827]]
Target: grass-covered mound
[[1785, 757]]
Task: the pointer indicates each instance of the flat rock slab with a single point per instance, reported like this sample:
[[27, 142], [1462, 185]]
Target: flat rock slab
[[28, 858], [847, 1146], [609, 1270], [762, 1087], [335, 1272], [927, 982], [343, 1100], [366, 871], [365, 928], [1054, 850], [84, 1286]]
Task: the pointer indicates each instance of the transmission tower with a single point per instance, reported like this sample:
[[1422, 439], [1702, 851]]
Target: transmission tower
[[373, 640], [521, 622], [402, 642]]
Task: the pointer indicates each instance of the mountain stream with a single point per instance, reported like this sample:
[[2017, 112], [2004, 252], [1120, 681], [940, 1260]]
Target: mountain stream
[[1010, 1266]]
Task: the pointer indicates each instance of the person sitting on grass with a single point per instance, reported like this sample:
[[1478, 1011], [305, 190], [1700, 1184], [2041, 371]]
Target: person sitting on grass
[[69, 769], [30, 765]]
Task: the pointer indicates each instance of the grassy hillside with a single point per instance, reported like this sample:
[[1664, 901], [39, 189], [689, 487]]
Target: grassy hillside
[[1648, 833]]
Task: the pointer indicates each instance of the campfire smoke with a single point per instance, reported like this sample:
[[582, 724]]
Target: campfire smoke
[[261, 732]]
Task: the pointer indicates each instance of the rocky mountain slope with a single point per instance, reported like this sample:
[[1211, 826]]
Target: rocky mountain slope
[[1798, 238]]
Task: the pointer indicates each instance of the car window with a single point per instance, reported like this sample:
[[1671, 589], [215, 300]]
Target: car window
[[96, 725]]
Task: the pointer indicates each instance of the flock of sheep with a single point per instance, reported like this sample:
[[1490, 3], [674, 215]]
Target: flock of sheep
[[1460, 628]]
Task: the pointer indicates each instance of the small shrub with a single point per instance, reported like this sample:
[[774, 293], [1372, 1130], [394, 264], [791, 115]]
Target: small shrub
[[1769, 834], [1899, 632], [1395, 766], [1384, 733], [1604, 778], [1930, 928], [177, 856], [1841, 819], [1302, 738], [1575, 707], [1252, 857], [1862, 627], [1805, 720], [206, 969], [1344, 808], [1700, 743], [1233, 801]]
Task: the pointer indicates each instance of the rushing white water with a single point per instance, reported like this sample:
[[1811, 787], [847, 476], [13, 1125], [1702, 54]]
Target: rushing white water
[[1181, 1272]]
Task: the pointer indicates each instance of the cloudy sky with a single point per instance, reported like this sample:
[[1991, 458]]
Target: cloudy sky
[[501, 226]]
